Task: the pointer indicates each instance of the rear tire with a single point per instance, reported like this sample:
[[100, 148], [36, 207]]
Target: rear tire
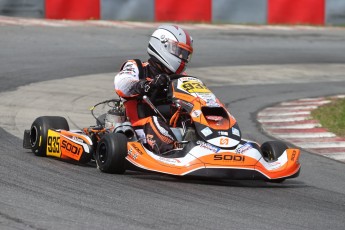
[[111, 153], [39, 131]]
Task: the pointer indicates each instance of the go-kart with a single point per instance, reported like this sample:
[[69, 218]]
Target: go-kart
[[209, 140]]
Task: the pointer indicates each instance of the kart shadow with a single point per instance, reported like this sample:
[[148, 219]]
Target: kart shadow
[[91, 164], [290, 183], [146, 175]]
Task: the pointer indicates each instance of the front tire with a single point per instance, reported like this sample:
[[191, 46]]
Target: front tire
[[111, 153], [39, 132], [272, 150]]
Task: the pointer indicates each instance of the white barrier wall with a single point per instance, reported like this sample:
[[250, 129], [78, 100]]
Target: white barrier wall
[[335, 12], [239, 11], [131, 10], [23, 8]]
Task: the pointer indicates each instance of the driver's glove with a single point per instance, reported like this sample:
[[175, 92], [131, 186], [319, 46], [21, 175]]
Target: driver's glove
[[143, 87], [160, 81]]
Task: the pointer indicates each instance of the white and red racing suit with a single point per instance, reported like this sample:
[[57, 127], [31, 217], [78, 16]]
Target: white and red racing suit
[[131, 84]]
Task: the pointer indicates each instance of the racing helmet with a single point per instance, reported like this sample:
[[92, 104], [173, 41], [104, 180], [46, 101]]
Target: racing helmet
[[172, 47]]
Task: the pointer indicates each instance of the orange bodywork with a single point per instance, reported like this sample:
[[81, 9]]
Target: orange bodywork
[[138, 156], [142, 158], [64, 144], [291, 167]]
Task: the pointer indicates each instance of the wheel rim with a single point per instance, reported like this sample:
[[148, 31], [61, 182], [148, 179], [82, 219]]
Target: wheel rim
[[33, 136], [102, 153], [270, 155]]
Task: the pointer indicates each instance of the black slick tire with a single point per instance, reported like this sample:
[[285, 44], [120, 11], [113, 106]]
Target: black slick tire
[[39, 131], [111, 153], [271, 151]]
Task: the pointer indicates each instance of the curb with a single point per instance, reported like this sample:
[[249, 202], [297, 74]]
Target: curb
[[291, 121]]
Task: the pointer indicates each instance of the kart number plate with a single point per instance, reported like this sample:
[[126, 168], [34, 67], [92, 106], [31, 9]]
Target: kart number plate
[[194, 87], [53, 144]]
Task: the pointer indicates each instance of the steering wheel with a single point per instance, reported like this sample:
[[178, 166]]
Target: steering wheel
[[155, 91], [176, 76]]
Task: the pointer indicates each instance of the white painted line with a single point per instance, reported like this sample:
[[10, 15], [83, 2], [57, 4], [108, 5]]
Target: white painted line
[[300, 103], [283, 113], [303, 135], [286, 109], [312, 99], [48, 23], [339, 157], [289, 119], [317, 145], [294, 108], [295, 126]]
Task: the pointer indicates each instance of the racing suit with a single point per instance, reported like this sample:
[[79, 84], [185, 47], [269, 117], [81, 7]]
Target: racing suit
[[131, 83]]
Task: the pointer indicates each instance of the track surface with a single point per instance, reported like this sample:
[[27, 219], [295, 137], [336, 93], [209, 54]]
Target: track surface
[[44, 193]]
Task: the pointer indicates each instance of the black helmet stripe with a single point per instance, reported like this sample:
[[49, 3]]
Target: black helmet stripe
[[155, 51], [170, 33]]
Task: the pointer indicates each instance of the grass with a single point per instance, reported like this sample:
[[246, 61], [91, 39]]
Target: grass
[[332, 116]]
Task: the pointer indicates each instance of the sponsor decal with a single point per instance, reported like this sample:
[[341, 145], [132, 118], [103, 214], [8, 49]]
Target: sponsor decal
[[134, 152], [207, 96], [212, 103], [293, 155], [133, 155], [129, 68], [196, 113], [137, 149], [237, 158], [71, 147], [130, 150], [235, 131], [224, 141], [169, 161], [126, 72], [244, 148], [208, 146], [183, 79], [223, 133], [77, 139], [206, 131]]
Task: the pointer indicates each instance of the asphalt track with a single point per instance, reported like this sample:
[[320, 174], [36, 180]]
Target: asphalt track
[[38, 66]]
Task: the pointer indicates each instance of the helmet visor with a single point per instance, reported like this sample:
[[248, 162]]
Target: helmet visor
[[180, 50]]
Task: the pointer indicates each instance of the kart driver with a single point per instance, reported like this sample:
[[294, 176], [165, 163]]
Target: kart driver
[[170, 49]]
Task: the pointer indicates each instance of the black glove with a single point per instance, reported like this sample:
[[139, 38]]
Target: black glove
[[143, 87], [159, 81]]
